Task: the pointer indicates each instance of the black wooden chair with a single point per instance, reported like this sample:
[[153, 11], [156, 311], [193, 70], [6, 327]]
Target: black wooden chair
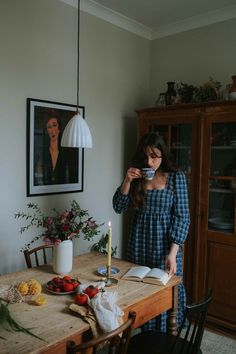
[[36, 251], [116, 341], [187, 341]]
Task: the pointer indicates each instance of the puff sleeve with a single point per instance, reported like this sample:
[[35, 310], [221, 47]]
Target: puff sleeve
[[120, 201], [180, 218]]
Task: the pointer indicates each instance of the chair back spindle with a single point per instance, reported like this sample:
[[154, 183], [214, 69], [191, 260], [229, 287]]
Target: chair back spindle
[[35, 251], [117, 340], [195, 315]]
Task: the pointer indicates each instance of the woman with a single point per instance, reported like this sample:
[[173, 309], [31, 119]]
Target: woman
[[53, 164], [161, 219], [53, 133], [56, 165]]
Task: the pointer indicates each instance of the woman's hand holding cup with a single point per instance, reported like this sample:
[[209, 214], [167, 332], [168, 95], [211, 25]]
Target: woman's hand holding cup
[[133, 173]]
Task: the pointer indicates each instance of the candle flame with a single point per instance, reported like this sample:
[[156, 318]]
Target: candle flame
[[109, 223]]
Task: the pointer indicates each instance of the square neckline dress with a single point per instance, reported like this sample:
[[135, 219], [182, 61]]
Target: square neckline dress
[[163, 220]]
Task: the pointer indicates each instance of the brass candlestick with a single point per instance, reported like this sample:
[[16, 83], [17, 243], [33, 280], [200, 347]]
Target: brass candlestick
[[108, 271], [110, 281]]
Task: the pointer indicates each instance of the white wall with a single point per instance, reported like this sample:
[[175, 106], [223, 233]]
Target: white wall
[[194, 56], [38, 59]]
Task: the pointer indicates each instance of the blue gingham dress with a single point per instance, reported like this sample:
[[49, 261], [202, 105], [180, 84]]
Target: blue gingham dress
[[162, 221]]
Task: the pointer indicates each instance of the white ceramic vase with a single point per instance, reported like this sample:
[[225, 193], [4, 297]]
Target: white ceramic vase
[[63, 257]]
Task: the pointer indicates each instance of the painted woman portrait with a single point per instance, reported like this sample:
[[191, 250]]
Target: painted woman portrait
[[53, 164]]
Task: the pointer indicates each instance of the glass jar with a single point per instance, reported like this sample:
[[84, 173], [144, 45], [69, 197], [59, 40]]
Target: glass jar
[[161, 100]]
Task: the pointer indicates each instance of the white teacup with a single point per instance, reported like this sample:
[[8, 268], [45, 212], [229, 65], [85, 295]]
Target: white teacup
[[148, 173]]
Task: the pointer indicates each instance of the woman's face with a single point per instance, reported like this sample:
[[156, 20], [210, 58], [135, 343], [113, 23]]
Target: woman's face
[[153, 157], [53, 128]]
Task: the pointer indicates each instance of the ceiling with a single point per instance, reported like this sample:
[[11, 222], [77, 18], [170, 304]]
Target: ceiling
[[155, 13], [158, 18]]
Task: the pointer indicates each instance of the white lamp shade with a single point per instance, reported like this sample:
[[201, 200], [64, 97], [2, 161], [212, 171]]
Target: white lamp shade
[[77, 134]]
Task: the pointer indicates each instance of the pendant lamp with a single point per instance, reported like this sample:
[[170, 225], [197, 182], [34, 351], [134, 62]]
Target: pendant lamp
[[77, 134]]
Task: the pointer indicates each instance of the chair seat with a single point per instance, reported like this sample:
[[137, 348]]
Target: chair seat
[[154, 342]]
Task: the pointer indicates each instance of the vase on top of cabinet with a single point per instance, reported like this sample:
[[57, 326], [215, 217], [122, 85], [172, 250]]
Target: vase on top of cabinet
[[232, 89], [170, 95]]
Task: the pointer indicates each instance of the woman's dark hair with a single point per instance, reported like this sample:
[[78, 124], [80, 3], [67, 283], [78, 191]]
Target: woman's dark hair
[[153, 140]]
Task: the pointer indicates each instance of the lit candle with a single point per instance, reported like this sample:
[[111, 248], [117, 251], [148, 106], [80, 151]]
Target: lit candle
[[109, 245]]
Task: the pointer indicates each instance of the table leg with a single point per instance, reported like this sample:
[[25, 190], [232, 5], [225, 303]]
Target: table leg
[[171, 314]]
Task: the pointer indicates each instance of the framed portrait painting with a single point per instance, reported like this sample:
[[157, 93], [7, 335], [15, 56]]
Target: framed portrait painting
[[51, 168]]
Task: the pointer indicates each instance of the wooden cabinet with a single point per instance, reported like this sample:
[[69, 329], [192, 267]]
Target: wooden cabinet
[[202, 140]]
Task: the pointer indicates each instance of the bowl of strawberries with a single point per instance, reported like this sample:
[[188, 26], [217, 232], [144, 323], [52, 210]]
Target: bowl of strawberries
[[62, 285]]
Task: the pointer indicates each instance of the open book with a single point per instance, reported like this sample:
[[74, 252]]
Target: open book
[[147, 275]]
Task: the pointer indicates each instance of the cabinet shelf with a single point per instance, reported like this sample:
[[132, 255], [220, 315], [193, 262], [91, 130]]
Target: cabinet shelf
[[224, 147], [181, 147], [223, 178], [221, 190]]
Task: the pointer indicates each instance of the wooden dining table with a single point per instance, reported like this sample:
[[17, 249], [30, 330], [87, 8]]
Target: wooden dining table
[[56, 324]]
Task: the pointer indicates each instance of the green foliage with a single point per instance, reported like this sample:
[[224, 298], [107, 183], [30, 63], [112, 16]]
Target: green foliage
[[209, 91], [9, 324], [204, 94], [186, 92], [101, 246]]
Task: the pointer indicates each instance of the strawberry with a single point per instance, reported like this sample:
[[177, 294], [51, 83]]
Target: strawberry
[[68, 287], [75, 284], [50, 287], [55, 280]]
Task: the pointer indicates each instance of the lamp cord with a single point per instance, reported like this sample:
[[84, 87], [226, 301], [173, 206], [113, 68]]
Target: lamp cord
[[78, 55]]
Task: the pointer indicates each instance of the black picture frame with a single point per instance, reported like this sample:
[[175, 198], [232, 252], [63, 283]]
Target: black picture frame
[[51, 169]]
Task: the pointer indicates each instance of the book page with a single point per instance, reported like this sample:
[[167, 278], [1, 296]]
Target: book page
[[157, 273], [138, 272], [157, 276]]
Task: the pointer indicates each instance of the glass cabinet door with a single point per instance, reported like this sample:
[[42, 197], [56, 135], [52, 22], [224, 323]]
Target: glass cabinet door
[[181, 146], [178, 138], [222, 180]]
